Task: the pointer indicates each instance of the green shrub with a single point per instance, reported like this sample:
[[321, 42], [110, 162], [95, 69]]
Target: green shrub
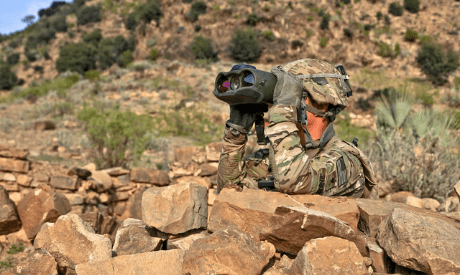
[[348, 32], [395, 9], [60, 85], [110, 50], [112, 132], [7, 77], [436, 62], [379, 15], [125, 58], [41, 37], [412, 5], [426, 39], [38, 69], [385, 50], [202, 48], [269, 35], [154, 54], [13, 59], [59, 23], [323, 41], [309, 18], [410, 35], [309, 33], [145, 12], [347, 131], [15, 249], [456, 82], [387, 20], [245, 46], [325, 22], [78, 57], [252, 19], [31, 55], [198, 8], [93, 75], [78, 3], [393, 110], [88, 14], [296, 44], [93, 37], [363, 104], [15, 42]]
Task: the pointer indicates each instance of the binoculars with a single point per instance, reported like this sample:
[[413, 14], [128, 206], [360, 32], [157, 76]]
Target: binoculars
[[244, 84]]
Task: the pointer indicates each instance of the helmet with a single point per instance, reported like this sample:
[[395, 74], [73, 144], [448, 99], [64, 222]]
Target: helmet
[[323, 82]]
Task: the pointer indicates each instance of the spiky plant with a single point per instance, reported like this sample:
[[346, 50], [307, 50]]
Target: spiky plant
[[393, 110], [432, 123]]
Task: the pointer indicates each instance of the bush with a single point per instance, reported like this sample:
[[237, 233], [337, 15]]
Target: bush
[[252, 19], [348, 32], [436, 62], [154, 54], [196, 10], [93, 37], [112, 132], [125, 58], [269, 35], [385, 50], [13, 59], [38, 69], [7, 77], [395, 9], [110, 50], [59, 23], [88, 14], [412, 5], [60, 85], [323, 41], [245, 46], [31, 55], [379, 15], [410, 35], [52, 9], [296, 44], [325, 22], [93, 75], [42, 37], [15, 42], [202, 48], [387, 20], [78, 57], [147, 12]]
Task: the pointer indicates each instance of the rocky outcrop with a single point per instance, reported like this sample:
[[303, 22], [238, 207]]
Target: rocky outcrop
[[134, 237], [9, 219], [39, 263]]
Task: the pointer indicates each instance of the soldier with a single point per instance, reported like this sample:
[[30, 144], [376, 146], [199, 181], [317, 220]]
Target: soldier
[[299, 159]]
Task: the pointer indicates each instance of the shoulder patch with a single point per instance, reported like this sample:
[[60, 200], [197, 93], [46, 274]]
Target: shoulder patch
[[341, 172]]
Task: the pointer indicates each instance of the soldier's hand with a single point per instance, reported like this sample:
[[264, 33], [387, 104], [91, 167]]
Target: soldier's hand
[[288, 89], [244, 116]]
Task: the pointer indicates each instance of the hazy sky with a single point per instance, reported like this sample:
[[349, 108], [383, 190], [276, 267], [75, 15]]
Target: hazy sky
[[12, 11]]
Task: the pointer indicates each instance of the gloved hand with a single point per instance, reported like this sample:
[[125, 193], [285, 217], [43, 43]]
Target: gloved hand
[[288, 89], [243, 116]]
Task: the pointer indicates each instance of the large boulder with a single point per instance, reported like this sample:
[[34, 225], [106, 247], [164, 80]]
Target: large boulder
[[251, 210], [177, 208], [39, 263], [293, 226], [40, 206], [420, 242], [134, 237], [72, 241], [228, 251], [9, 220], [149, 263], [373, 212], [329, 255]]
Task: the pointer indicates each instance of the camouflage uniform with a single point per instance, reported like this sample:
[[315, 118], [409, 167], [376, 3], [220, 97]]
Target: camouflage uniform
[[337, 168]]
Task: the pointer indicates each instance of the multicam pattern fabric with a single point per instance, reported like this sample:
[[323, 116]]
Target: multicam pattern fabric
[[331, 93], [337, 169]]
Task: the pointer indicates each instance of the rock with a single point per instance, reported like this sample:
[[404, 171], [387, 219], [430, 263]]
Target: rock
[[213, 151], [430, 204], [39, 263], [23, 180], [378, 256], [41, 177], [185, 242], [10, 186], [374, 211], [449, 205], [134, 205], [134, 237], [197, 180], [90, 166], [7, 177], [401, 196], [44, 125], [65, 182], [175, 209], [414, 201], [41, 206], [14, 165], [123, 180], [116, 171], [9, 219], [75, 198], [185, 154], [144, 175], [228, 251], [209, 169], [103, 180], [72, 241], [212, 195], [80, 172], [293, 226], [329, 255], [9, 152], [420, 242], [251, 210], [150, 263]]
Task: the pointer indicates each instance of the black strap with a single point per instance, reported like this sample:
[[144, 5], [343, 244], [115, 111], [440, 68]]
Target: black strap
[[260, 130]]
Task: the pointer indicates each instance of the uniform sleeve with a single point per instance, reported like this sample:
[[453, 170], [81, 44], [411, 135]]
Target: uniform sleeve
[[230, 169], [291, 163]]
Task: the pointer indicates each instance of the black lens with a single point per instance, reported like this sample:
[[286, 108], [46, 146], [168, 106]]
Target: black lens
[[234, 82], [248, 80]]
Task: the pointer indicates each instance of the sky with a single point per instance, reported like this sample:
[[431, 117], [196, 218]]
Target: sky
[[12, 11]]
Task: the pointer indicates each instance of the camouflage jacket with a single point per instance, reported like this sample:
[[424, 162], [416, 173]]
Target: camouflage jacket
[[339, 168]]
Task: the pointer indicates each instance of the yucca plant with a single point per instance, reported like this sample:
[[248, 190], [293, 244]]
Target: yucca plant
[[432, 123], [394, 109]]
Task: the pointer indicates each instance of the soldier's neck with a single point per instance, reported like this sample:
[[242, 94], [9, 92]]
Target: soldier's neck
[[316, 126]]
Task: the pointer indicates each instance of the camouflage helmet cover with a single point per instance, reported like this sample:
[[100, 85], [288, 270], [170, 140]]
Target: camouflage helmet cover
[[329, 90]]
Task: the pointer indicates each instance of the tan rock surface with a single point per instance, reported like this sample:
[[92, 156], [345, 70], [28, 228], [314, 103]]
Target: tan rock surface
[[420, 242], [192, 179], [102, 179], [213, 151], [186, 154], [9, 219], [134, 237], [65, 182], [11, 152], [144, 175], [39, 263], [13, 165], [329, 255], [185, 242], [175, 209], [40, 206], [72, 241], [228, 251]]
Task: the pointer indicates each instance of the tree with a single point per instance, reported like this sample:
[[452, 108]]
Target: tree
[[28, 19]]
